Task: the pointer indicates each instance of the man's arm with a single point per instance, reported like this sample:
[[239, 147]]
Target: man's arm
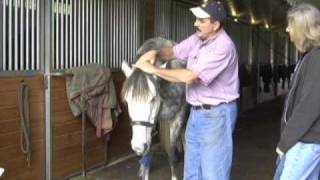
[[176, 75], [173, 75], [146, 61]]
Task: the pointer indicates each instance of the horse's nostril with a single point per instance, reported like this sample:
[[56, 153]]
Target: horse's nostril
[[139, 149]]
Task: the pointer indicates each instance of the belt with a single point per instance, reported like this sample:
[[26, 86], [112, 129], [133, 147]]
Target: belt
[[202, 106], [207, 106]]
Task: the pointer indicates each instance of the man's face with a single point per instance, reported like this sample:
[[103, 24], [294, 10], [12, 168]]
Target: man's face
[[206, 27]]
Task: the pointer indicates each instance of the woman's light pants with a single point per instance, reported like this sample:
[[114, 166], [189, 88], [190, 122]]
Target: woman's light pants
[[301, 162]]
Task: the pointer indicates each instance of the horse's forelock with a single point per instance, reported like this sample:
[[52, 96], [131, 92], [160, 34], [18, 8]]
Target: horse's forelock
[[136, 85]]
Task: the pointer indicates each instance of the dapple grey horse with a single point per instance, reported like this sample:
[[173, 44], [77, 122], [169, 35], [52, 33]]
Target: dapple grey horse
[[151, 99]]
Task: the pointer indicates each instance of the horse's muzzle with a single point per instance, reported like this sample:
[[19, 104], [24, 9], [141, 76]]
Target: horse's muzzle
[[141, 150]]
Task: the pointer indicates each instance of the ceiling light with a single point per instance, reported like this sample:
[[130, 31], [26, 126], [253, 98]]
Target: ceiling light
[[266, 26]]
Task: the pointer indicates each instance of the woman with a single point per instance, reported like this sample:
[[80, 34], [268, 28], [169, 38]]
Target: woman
[[299, 145]]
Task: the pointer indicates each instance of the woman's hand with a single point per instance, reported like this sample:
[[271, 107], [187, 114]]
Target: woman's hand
[[279, 152]]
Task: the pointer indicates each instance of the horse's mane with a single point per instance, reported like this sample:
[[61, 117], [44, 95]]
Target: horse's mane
[[137, 82]]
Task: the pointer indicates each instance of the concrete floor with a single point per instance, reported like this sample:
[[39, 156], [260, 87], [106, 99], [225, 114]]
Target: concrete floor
[[255, 139]]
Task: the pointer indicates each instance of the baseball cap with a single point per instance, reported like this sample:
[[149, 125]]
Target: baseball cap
[[213, 9]]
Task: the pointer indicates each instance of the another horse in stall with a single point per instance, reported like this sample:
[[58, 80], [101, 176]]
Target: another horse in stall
[[149, 99]]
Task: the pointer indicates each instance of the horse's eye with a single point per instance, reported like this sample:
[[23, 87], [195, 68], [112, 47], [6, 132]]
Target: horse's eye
[[153, 99]]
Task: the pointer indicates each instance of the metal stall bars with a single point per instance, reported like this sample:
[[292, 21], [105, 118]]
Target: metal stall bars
[[240, 34], [183, 20], [98, 31], [20, 35], [124, 30], [162, 21], [173, 19], [78, 33]]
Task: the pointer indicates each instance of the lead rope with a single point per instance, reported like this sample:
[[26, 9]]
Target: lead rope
[[25, 138]]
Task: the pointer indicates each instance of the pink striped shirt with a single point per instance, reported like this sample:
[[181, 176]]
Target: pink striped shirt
[[215, 62]]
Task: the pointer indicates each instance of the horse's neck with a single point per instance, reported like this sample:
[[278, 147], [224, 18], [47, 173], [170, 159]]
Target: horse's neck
[[171, 93]]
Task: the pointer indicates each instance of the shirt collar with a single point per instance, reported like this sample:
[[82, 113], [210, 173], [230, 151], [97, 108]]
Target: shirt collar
[[212, 38]]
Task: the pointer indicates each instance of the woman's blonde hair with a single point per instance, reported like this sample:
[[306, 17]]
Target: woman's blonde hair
[[304, 22]]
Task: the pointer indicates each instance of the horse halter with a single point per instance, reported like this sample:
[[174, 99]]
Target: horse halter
[[146, 124], [142, 123]]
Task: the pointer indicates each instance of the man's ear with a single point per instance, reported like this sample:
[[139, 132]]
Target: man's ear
[[216, 25], [126, 69]]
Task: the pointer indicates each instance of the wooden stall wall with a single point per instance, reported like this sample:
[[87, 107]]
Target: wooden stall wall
[[11, 156], [67, 151], [119, 144], [67, 156]]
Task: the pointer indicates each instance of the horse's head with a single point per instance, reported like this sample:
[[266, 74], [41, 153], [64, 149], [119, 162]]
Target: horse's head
[[140, 93]]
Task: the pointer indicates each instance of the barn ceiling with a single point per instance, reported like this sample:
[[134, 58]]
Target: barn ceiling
[[268, 13], [315, 2]]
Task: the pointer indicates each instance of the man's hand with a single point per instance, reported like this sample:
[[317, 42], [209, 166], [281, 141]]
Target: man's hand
[[279, 152], [146, 61], [149, 56], [145, 66]]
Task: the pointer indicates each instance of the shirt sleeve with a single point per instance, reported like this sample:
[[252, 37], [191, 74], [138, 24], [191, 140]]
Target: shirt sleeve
[[212, 63], [182, 50]]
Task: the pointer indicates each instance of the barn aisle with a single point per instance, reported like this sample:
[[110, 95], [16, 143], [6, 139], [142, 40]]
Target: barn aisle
[[256, 136]]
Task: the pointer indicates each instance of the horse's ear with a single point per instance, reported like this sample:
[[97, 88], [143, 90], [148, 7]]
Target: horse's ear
[[126, 69]]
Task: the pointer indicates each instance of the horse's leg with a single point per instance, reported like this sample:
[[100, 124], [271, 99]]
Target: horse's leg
[[175, 130], [183, 140], [145, 162], [172, 162], [143, 173]]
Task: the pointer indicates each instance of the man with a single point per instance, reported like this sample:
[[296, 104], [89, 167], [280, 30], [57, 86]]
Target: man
[[212, 87]]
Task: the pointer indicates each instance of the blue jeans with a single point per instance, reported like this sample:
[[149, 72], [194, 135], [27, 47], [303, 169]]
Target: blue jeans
[[301, 162], [209, 143]]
